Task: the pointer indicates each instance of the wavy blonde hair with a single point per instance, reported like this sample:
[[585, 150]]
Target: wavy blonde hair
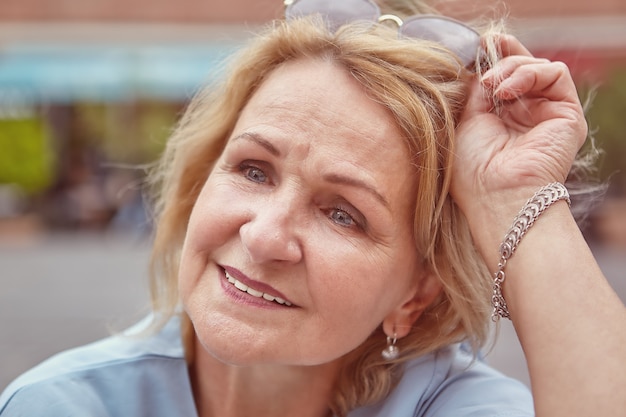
[[425, 88]]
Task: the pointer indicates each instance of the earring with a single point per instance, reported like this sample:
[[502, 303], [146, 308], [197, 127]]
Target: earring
[[391, 352]]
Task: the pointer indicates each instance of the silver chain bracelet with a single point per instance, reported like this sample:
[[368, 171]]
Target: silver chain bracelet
[[536, 205]]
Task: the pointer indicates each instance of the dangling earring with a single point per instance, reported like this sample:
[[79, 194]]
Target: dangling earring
[[391, 352]]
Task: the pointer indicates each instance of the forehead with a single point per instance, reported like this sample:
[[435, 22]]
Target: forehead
[[319, 102], [316, 113]]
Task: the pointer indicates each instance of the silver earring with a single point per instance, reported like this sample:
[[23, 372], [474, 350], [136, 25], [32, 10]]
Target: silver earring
[[391, 352]]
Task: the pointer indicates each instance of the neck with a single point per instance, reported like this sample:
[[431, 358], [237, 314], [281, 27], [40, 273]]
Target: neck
[[261, 390]]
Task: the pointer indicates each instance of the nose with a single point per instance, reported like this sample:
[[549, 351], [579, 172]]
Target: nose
[[269, 235]]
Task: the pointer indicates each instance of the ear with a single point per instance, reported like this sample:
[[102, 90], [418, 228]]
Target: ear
[[401, 319]]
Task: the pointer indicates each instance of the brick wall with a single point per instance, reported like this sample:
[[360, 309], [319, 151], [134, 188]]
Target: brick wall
[[236, 11]]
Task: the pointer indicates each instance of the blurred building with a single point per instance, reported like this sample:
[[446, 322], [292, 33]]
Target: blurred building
[[89, 86], [180, 39]]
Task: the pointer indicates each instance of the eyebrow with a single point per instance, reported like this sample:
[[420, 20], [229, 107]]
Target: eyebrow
[[331, 177], [259, 140], [353, 182]]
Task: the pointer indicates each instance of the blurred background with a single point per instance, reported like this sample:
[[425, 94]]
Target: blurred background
[[89, 92]]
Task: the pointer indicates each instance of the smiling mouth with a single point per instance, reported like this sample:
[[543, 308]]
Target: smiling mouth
[[258, 294]]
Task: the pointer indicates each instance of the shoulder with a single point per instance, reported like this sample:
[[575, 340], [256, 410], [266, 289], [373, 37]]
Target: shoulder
[[451, 382], [119, 375]]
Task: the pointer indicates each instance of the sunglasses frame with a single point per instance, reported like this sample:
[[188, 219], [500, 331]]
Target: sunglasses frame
[[452, 34]]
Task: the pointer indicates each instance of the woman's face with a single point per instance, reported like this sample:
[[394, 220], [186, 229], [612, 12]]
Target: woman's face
[[300, 245]]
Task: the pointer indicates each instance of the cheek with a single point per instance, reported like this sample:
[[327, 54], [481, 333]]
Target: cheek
[[214, 218], [355, 293], [208, 229]]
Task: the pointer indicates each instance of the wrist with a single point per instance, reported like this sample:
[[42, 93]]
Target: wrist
[[534, 207], [490, 216]]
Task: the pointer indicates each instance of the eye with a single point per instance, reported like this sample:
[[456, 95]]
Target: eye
[[342, 218], [346, 218], [253, 173]]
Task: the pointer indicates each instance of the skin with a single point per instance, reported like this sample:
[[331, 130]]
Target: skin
[[308, 201], [571, 324]]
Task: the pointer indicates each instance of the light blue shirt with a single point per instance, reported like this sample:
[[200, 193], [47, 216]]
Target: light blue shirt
[[124, 376]]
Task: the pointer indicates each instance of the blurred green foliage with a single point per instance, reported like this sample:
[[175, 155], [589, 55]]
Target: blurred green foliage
[[26, 157], [132, 133], [129, 134], [607, 121]]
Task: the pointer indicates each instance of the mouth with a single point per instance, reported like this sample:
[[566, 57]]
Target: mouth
[[258, 294]]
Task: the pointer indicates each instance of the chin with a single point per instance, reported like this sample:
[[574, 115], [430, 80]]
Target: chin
[[215, 338], [231, 354], [232, 351]]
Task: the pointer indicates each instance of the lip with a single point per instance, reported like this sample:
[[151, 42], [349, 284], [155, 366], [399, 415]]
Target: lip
[[254, 285]]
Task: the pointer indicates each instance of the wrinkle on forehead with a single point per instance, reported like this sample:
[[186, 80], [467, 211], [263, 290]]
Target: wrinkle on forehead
[[319, 112]]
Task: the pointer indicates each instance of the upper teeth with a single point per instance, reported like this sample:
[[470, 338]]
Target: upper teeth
[[243, 287]]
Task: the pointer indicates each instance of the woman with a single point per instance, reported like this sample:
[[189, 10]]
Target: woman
[[327, 221]]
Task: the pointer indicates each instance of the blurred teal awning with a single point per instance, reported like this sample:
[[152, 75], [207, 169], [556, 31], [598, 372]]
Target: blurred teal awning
[[107, 72]]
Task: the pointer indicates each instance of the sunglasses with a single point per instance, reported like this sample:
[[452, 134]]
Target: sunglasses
[[459, 38]]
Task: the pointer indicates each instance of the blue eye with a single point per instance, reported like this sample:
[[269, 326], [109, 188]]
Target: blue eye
[[342, 218], [254, 174]]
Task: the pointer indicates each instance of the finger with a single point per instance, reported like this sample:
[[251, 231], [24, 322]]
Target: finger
[[505, 67], [478, 102], [486, 101], [548, 80], [509, 45]]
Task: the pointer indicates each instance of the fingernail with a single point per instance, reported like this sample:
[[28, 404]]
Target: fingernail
[[487, 75], [504, 91]]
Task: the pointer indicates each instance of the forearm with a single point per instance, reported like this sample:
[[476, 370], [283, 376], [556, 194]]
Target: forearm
[[571, 324]]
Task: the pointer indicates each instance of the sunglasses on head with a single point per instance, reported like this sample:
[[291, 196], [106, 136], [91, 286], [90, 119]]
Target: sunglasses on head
[[452, 34]]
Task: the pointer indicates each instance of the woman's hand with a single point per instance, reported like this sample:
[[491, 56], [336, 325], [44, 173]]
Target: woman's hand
[[506, 151], [571, 324]]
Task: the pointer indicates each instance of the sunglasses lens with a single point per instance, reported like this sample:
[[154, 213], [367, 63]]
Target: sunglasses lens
[[458, 38], [335, 12]]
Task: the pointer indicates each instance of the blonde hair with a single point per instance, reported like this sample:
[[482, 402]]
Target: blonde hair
[[425, 88]]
